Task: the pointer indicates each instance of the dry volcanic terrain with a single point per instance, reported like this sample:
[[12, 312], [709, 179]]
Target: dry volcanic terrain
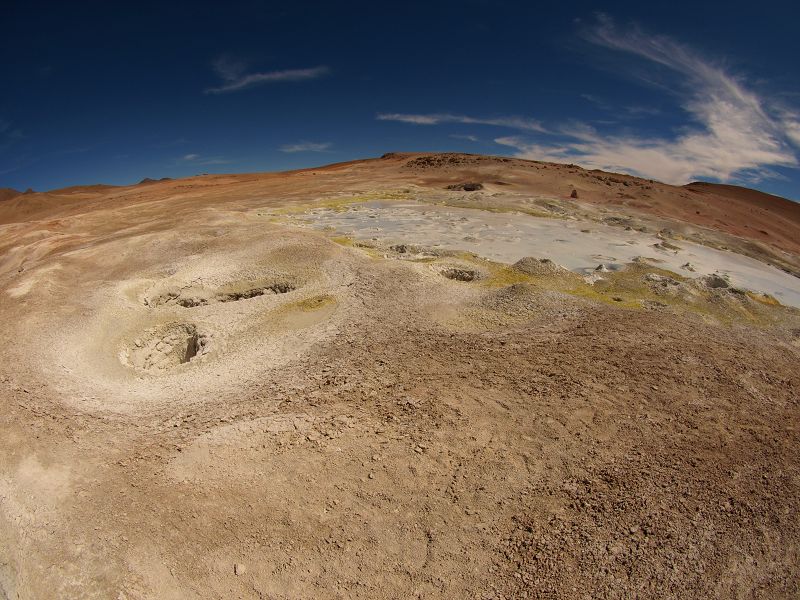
[[418, 376]]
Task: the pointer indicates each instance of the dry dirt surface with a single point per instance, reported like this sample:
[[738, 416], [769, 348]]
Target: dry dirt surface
[[201, 398]]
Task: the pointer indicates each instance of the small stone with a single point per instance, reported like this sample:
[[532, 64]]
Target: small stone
[[574, 194], [239, 569]]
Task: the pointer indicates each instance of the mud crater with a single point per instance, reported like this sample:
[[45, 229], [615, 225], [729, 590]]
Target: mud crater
[[189, 299], [166, 347], [460, 274], [175, 297], [275, 288]]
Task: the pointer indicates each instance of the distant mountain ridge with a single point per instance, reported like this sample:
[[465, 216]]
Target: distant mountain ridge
[[747, 214]]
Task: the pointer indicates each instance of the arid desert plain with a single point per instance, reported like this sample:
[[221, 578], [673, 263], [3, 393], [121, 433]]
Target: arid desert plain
[[416, 376]]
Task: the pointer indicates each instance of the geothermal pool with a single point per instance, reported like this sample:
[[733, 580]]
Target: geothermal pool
[[577, 245]]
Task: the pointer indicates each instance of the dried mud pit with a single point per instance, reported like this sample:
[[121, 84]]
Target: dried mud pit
[[194, 298], [465, 275], [164, 348], [275, 288]]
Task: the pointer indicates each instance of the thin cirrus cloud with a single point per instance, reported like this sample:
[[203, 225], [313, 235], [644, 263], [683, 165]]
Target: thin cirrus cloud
[[440, 118], [306, 147], [732, 132], [235, 77], [197, 159], [468, 138]]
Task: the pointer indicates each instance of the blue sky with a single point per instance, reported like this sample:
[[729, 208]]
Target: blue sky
[[104, 92]]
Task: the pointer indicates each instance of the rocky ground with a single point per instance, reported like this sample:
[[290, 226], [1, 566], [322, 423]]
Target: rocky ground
[[198, 402]]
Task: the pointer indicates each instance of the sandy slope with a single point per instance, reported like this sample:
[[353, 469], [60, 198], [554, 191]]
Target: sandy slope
[[7, 193], [200, 399]]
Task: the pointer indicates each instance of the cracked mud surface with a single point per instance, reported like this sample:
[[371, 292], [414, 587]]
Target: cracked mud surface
[[174, 427], [166, 347]]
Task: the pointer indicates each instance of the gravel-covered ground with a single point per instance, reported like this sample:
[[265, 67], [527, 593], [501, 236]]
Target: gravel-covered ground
[[200, 400]]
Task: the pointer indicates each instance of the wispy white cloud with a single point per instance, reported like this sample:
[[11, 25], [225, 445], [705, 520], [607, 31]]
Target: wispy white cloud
[[469, 138], [197, 159], [306, 147], [733, 132], [791, 122], [595, 100], [235, 77], [520, 123], [642, 111]]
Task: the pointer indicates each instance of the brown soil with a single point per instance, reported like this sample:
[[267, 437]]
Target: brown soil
[[372, 428], [7, 193]]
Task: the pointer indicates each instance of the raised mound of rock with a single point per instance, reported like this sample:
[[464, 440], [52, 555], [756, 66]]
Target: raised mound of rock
[[714, 282], [457, 274], [664, 285], [719, 286], [661, 280], [538, 266]]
